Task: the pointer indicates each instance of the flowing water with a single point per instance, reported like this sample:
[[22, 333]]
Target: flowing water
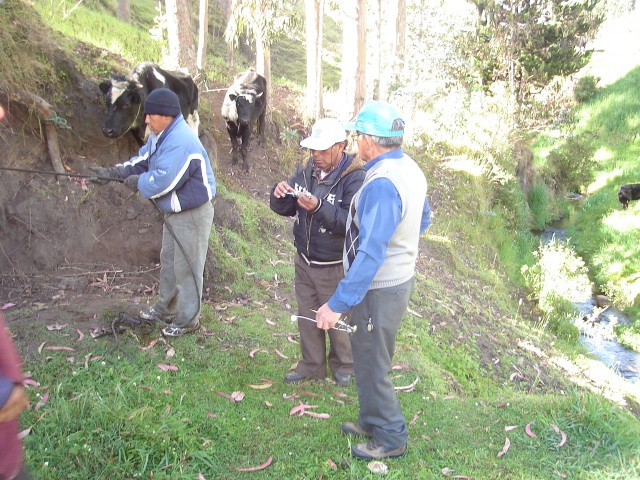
[[596, 325]]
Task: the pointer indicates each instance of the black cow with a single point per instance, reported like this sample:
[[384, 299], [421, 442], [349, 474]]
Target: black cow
[[125, 96], [628, 192], [244, 104]]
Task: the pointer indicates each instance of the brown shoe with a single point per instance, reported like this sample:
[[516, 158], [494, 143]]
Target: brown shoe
[[294, 377], [374, 450], [350, 428]]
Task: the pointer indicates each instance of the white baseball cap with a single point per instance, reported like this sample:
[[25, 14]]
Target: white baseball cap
[[325, 133]]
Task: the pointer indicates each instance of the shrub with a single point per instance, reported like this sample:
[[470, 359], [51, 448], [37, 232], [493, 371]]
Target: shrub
[[585, 89], [571, 165], [558, 280], [539, 205]]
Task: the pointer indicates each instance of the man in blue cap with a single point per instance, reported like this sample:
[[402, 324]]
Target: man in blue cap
[[173, 170], [386, 217]]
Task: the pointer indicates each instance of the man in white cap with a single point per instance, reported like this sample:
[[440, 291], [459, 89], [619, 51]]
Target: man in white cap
[[386, 217], [173, 170], [319, 193]]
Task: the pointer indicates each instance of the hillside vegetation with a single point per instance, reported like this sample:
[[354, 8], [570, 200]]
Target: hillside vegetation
[[488, 392]]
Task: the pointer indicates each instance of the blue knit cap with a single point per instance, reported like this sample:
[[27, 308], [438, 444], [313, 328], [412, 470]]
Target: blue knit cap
[[162, 101], [376, 118]]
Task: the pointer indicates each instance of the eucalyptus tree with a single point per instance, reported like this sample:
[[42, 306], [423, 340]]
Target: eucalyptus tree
[[182, 53], [264, 21], [526, 43], [314, 14]]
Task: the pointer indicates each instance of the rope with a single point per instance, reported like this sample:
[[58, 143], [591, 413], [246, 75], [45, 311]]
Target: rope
[[58, 121]]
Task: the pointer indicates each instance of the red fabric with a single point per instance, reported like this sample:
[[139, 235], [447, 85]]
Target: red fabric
[[10, 445]]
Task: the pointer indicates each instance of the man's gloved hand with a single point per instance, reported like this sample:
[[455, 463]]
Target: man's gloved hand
[[132, 182], [103, 174]]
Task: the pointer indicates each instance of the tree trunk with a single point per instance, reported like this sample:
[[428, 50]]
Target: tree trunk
[[124, 10], [349, 59], [314, 14], [377, 73], [361, 69], [203, 34], [399, 50], [182, 53]]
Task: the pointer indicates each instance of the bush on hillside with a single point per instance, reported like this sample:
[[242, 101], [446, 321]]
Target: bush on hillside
[[571, 165], [585, 89]]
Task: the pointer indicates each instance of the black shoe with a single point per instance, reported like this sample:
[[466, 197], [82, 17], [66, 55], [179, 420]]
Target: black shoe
[[373, 450], [151, 314], [342, 379], [294, 377], [350, 428]]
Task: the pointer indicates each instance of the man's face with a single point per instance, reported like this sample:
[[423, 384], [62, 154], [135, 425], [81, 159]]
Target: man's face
[[157, 123], [327, 159], [364, 142]]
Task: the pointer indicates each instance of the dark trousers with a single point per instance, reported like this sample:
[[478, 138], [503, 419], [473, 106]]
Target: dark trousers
[[314, 286], [373, 352]]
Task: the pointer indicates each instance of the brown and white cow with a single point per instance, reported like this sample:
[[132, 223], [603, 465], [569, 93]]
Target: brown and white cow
[[245, 104], [125, 96]]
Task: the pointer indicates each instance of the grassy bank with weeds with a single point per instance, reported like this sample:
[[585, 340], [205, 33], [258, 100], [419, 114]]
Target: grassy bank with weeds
[[601, 231]]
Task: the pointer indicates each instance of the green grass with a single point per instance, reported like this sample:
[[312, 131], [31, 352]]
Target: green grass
[[604, 234]]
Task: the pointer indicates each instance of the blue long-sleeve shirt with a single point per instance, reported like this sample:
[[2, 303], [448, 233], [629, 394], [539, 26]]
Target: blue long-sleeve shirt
[[380, 212]]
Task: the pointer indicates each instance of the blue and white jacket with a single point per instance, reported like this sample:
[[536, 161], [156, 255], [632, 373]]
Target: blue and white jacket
[[174, 169]]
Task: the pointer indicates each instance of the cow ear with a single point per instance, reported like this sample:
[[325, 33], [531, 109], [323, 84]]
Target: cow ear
[[233, 97], [105, 86]]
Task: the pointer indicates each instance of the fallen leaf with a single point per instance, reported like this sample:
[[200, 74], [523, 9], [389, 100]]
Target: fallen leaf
[[146, 387], [171, 353], [414, 419], [318, 415], [151, 344], [332, 464], [291, 339], [563, 435], [201, 476], [24, 433], [167, 368], [31, 382], [7, 305], [42, 402], [280, 354], [237, 396], [300, 409], [408, 388], [259, 467], [56, 326], [167, 411], [256, 350], [507, 444], [66, 349], [446, 471], [262, 386], [80, 334], [271, 322], [508, 428], [527, 430], [212, 415], [461, 476], [402, 367]]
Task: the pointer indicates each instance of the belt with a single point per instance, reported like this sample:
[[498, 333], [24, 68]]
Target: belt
[[317, 263]]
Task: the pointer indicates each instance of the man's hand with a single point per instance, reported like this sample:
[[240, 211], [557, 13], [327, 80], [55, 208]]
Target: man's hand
[[132, 182], [17, 402], [103, 174], [282, 189], [308, 202], [326, 318]]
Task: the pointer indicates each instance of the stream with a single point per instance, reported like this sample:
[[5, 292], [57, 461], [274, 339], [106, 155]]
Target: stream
[[596, 325]]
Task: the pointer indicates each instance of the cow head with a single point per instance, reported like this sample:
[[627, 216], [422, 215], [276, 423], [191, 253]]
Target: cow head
[[124, 103], [245, 105]]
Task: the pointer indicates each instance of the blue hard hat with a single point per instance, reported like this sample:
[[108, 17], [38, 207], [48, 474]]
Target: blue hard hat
[[376, 118]]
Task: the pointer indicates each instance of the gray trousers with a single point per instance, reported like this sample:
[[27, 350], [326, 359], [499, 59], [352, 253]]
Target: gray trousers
[[314, 286], [373, 351], [181, 273]]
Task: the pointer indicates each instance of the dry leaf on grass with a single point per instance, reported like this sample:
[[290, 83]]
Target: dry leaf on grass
[[562, 434], [253, 352], [527, 430], [66, 349], [280, 354], [255, 469], [505, 449], [167, 368]]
